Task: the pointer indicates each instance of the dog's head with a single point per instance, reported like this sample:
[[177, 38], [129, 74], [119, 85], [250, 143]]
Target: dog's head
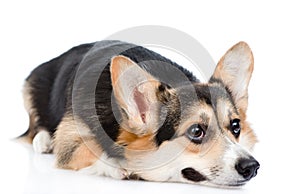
[[194, 133]]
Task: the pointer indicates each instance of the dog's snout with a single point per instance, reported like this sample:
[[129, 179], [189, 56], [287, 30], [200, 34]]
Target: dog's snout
[[247, 167]]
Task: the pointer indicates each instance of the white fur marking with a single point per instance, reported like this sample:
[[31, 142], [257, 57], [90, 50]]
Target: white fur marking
[[42, 142]]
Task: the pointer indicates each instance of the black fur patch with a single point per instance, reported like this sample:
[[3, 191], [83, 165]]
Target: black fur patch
[[170, 111], [193, 175], [165, 132], [48, 85]]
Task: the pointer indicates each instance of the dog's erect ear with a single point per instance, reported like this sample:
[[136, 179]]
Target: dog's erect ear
[[135, 91], [235, 70]]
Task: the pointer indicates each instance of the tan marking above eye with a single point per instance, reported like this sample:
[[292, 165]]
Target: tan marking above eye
[[196, 115]]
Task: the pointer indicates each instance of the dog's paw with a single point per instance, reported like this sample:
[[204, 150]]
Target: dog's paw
[[106, 167], [42, 142], [101, 170]]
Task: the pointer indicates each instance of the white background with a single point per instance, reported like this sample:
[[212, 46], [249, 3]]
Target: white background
[[33, 32]]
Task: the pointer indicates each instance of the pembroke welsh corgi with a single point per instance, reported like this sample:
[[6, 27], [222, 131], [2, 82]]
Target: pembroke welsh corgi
[[120, 110]]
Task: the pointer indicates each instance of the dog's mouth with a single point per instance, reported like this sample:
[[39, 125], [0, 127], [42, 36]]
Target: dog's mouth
[[195, 176], [235, 185]]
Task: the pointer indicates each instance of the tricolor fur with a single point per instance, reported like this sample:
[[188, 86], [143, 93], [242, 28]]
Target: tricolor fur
[[120, 110]]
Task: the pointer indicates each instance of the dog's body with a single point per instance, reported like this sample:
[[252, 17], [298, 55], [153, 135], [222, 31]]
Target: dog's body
[[116, 109]]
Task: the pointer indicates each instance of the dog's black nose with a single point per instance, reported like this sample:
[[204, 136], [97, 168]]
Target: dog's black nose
[[247, 167]]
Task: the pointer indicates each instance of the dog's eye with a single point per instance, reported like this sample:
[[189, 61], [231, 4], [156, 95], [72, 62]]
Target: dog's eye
[[235, 127], [195, 133]]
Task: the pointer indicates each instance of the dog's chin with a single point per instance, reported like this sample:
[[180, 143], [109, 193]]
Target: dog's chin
[[233, 185]]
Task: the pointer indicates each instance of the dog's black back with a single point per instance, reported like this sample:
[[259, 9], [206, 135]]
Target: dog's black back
[[51, 83]]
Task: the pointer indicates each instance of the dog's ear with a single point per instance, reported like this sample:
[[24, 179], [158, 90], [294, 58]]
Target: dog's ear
[[234, 70], [135, 91]]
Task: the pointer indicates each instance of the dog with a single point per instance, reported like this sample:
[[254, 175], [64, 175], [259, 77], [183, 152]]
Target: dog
[[120, 110]]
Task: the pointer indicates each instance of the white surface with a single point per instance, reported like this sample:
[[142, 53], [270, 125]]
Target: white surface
[[33, 32]]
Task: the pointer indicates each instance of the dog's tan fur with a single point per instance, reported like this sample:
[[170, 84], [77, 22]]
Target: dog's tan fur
[[79, 150], [33, 117]]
